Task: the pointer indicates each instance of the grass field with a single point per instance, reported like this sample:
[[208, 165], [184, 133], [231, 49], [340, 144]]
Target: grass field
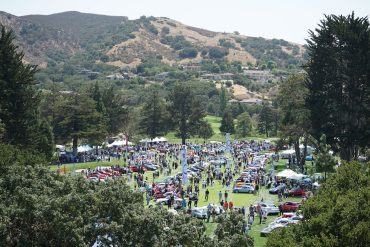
[[215, 123]]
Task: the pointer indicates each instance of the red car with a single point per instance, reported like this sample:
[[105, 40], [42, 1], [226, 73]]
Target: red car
[[297, 192], [137, 169], [290, 206]]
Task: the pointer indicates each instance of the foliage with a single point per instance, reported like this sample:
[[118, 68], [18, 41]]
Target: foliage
[[154, 116], [244, 125], [188, 53], [41, 208], [226, 43], [178, 42], [339, 72], [265, 119], [223, 100], [325, 162], [336, 216], [76, 118], [227, 123], [295, 115], [217, 53], [20, 118], [186, 110]]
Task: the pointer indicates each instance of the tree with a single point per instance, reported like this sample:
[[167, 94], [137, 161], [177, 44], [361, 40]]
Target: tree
[[243, 125], [77, 118], [114, 110], [339, 72], [20, 100], [186, 111], [265, 119], [223, 100], [325, 162], [227, 123], [336, 216], [205, 130], [154, 116], [295, 123]]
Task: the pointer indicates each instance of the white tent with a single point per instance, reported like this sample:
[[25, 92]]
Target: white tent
[[119, 143], [297, 177], [286, 153], [159, 139], [84, 148], [286, 173]]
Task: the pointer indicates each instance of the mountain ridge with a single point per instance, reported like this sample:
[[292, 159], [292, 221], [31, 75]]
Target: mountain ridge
[[118, 41]]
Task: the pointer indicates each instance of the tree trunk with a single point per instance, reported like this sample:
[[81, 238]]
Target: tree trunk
[[303, 158], [75, 145], [183, 140], [297, 151]]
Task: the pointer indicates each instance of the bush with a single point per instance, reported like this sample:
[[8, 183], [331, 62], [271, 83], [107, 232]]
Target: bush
[[188, 53], [217, 53]]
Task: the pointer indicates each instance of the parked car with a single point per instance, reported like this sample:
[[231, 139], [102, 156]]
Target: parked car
[[290, 206], [271, 228], [276, 189], [245, 188], [297, 192], [270, 208], [199, 212]]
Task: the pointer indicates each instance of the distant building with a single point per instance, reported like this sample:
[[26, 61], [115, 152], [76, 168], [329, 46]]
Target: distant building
[[162, 76], [218, 77], [259, 75]]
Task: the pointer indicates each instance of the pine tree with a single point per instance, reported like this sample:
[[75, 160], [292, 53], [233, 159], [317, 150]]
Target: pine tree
[[227, 123], [339, 83], [20, 100], [265, 119], [154, 116]]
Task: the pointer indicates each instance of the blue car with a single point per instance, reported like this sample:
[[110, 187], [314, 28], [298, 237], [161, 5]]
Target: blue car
[[309, 158], [243, 189]]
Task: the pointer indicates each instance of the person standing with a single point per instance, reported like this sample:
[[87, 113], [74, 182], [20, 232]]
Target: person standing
[[226, 206], [231, 205], [219, 196], [226, 195], [207, 194]]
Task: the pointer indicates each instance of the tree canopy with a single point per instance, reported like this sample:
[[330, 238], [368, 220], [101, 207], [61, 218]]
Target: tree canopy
[[339, 82], [337, 216]]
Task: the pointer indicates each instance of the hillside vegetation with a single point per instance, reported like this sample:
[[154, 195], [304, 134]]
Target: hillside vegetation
[[118, 41]]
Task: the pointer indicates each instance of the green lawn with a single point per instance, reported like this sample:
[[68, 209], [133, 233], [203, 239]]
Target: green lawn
[[215, 123]]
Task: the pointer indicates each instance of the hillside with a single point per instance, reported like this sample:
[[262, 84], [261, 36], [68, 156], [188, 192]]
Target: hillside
[[118, 41]]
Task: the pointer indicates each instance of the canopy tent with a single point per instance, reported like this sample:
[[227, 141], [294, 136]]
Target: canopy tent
[[286, 173], [157, 139], [297, 177], [84, 148], [286, 153], [119, 143]]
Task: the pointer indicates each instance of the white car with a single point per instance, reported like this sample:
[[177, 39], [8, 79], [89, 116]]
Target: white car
[[199, 212], [269, 207]]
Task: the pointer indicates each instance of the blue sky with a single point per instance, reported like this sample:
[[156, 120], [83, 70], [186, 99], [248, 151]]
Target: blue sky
[[286, 19]]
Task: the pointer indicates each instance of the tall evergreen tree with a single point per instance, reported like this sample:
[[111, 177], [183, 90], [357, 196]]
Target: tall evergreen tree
[[265, 119], [77, 119], [295, 115], [154, 116], [185, 110], [339, 83], [227, 122], [244, 125], [20, 100], [223, 100]]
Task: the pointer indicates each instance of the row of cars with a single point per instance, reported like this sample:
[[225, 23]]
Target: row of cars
[[295, 191]]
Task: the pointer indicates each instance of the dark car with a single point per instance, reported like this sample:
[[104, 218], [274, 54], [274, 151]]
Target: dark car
[[276, 189]]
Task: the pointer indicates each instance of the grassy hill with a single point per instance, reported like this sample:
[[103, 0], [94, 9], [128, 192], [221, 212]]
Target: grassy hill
[[118, 41]]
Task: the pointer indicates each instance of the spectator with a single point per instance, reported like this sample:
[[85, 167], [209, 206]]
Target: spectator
[[207, 194], [219, 196]]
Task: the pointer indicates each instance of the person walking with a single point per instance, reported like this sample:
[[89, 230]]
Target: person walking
[[207, 194]]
